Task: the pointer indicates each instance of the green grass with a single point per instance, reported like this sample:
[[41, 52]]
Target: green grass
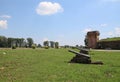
[[51, 65], [110, 39]]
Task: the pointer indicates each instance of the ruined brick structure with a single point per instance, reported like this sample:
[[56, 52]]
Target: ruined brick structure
[[94, 42], [92, 38]]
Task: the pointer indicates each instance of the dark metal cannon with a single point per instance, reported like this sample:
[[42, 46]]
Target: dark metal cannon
[[85, 51], [83, 57], [80, 58], [80, 54]]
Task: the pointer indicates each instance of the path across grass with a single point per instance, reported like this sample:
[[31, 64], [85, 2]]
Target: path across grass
[[51, 65]]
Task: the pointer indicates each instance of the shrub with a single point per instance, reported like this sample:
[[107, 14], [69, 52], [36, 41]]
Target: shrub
[[33, 46], [73, 47], [46, 47], [13, 47], [56, 45]]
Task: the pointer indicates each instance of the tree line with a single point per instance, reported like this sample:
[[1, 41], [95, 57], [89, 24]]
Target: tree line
[[51, 44], [17, 42], [22, 42]]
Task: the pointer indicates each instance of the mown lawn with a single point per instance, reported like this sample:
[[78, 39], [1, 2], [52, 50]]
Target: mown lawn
[[51, 65]]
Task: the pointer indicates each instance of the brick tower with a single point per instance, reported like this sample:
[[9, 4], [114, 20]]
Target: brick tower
[[92, 38]]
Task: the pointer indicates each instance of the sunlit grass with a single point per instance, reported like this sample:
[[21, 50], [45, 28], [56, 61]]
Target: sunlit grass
[[51, 65]]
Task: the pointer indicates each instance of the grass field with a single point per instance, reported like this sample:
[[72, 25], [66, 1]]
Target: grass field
[[51, 65]]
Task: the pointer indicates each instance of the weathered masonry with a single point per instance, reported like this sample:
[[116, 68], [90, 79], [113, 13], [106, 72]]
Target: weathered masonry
[[92, 38]]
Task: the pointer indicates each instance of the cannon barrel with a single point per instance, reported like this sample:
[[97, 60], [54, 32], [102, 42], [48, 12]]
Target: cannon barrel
[[83, 49], [77, 53]]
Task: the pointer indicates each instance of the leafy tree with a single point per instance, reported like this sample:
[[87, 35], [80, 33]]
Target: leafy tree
[[66, 46], [52, 44], [24, 44], [39, 45], [56, 45], [77, 46], [10, 41], [46, 43], [3, 41], [16, 42], [86, 41], [30, 42], [20, 41]]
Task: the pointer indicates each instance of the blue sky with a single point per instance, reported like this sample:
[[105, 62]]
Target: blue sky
[[65, 21]]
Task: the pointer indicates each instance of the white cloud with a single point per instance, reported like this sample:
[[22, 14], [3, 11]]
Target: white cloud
[[87, 30], [3, 24], [103, 25], [48, 8], [110, 33], [5, 16], [45, 39], [117, 30]]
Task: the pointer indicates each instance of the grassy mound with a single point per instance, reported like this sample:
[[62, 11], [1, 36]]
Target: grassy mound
[[110, 39]]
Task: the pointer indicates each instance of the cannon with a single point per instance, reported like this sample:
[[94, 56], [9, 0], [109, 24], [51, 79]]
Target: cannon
[[80, 58], [83, 57], [85, 51], [80, 54]]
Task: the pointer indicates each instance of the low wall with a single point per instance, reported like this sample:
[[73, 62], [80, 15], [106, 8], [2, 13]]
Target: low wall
[[108, 45]]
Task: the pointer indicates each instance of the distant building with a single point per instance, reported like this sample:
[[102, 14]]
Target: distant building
[[92, 38], [108, 43]]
